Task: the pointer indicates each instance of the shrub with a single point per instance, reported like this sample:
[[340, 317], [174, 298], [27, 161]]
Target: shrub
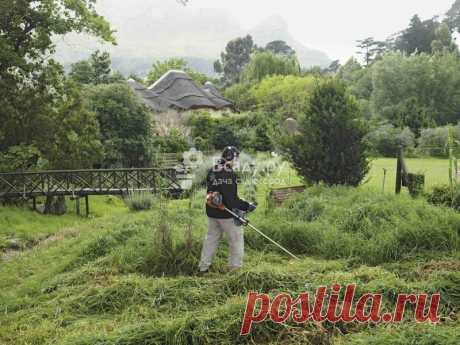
[[286, 96], [444, 196], [224, 135], [172, 142], [241, 98], [252, 130], [386, 140], [330, 147], [140, 201]]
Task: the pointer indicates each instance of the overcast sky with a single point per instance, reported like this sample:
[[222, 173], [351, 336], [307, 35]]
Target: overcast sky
[[332, 26]]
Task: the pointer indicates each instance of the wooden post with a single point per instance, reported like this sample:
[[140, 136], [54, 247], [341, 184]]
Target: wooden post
[[77, 205], [34, 203], [398, 175], [87, 205], [384, 177]]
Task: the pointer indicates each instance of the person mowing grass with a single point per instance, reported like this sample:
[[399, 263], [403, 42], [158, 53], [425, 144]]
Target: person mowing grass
[[222, 179]]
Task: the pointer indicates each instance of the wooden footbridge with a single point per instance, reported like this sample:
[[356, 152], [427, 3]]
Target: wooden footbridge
[[83, 183]]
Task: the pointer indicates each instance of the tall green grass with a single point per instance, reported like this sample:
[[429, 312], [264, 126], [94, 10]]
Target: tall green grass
[[359, 224]]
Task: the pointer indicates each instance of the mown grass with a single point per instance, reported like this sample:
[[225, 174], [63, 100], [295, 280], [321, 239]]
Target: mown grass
[[21, 228], [103, 284], [436, 172]]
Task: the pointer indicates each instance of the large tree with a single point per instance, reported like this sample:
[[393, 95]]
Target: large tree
[[159, 68], [370, 49], [267, 64], [235, 57], [433, 80], [280, 48], [95, 70], [33, 86], [418, 36], [453, 17]]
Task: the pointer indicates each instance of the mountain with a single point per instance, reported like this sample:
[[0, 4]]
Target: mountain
[[158, 29], [276, 28]]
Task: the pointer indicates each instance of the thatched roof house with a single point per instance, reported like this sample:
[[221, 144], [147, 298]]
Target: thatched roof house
[[177, 90]]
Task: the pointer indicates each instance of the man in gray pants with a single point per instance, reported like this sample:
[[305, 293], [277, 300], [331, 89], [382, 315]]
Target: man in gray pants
[[221, 178]]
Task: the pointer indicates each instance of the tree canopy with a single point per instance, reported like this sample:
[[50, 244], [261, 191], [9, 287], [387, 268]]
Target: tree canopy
[[159, 68], [96, 70], [267, 64], [35, 92]]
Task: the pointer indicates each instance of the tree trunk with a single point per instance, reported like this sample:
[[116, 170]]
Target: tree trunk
[[55, 205]]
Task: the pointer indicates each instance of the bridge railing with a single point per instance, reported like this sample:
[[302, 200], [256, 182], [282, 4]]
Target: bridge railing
[[87, 182]]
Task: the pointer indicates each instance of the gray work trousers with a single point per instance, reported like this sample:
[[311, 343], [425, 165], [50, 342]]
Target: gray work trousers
[[216, 229]]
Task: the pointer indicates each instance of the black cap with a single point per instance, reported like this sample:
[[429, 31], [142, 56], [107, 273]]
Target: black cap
[[230, 152]]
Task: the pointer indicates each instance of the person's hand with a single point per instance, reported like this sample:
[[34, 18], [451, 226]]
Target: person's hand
[[252, 207]]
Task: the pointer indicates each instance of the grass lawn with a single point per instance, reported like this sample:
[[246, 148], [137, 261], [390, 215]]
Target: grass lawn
[[21, 227], [436, 172]]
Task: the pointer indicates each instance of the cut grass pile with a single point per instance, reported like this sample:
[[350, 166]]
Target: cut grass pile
[[21, 228]]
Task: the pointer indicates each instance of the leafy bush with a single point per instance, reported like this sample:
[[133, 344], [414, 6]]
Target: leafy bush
[[125, 124], [140, 201], [250, 131], [445, 196], [241, 98], [387, 140], [285, 96], [330, 147], [172, 142], [433, 142], [409, 113]]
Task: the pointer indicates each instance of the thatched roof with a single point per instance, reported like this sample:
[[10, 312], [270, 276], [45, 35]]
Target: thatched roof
[[177, 90], [153, 100], [215, 96]]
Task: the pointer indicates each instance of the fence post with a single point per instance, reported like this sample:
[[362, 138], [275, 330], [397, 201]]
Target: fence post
[[398, 174], [77, 205], [87, 205]]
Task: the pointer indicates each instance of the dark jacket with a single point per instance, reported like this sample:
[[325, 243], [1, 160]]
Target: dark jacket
[[223, 179]]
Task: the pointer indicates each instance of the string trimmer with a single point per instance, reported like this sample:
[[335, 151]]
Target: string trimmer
[[215, 200]]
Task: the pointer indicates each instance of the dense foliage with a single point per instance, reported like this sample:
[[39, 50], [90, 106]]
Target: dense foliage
[[330, 147], [44, 123], [249, 131], [95, 70], [125, 124], [159, 68], [267, 64]]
